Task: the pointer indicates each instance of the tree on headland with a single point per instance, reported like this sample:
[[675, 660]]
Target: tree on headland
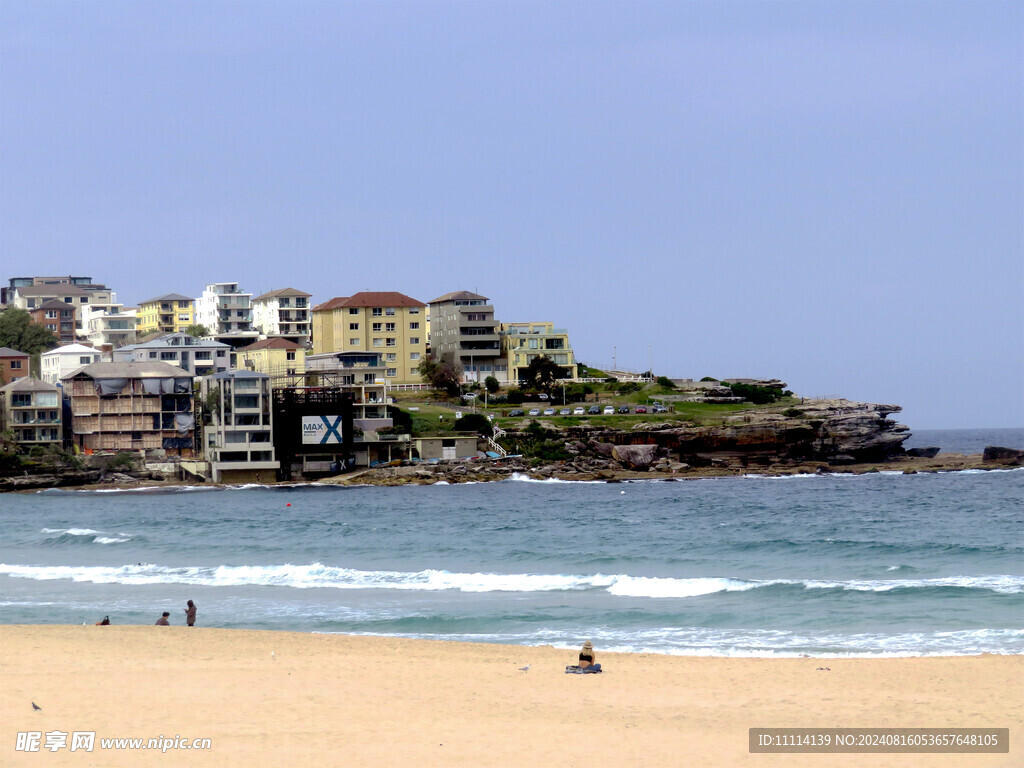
[[543, 372], [18, 331], [444, 375]]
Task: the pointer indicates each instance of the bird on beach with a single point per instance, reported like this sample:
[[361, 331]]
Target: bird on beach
[[273, 656], [525, 669], [36, 707]]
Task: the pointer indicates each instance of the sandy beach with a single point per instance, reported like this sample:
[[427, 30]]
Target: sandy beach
[[281, 698]]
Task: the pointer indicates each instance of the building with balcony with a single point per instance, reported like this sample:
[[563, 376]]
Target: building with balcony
[[57, 363], [170, 313], [200, 357], [522, 342], [31, 409], [272, 356], [238, 440], [51, 284], [283, 313], [463, 330], [387, 323], [108, 325], [131, 406], [13, 365], [227, 312], [58, 318]]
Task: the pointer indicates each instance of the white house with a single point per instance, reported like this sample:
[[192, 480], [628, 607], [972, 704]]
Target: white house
[[60, 362]]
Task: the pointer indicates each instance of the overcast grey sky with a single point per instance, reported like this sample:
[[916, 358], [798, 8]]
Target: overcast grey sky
[[828, 193]]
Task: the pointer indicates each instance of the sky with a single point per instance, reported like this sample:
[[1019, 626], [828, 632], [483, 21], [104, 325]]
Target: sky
[[827, 193]]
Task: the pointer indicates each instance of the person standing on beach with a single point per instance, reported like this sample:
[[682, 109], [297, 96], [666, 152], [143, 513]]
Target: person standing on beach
[[190, 614], [162, 621]]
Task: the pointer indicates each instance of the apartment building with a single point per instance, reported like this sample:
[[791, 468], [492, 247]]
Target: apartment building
[[463, 329], [13, 365], [200, 357], [58, 318], [238, 441], [388, 323], [131, 406], [272, 356], [522, 342], [170, 313], [226, 311], [108, 324], [284, 313], [62, 361], [31, 409], [7, 293]]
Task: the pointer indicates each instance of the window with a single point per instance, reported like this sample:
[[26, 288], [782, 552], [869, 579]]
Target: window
[[184, 304], [392, 372], [84, 360], [353, 342], [391, 357], [414, 326], [353, 326], [378, 342], [414, 310], [67, 300], [389, 327], [414, 371], [377, 327], [51, 313], [377, 312], [152, 355], [290, 354], [390, 311], [414, 355], [391, 342], [353, 310], [414, 339], [15, 365], [183, 318], [168, 355]]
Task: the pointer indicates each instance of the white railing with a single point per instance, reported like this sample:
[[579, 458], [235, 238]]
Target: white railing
[[495, 447]]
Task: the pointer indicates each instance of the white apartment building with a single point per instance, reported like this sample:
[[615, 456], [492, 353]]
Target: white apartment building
[[227, 312], [239, 442], [57, 363], [200, 357], [108, 324], [284, 313]]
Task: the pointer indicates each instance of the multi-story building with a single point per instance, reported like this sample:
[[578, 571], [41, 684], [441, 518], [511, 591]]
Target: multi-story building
[[284, 313], [238, 441], [363, 375], [32, 410], [388, 323], [131, 406], [226, 312], [463, 330], [57, 363], [169, 313], [522, 342], [77, 295], [200, 357], [108, 324], [7, 293], [13, 365], [272, 356], [58, 318]]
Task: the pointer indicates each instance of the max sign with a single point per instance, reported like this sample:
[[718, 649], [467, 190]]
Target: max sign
[[320, 430]]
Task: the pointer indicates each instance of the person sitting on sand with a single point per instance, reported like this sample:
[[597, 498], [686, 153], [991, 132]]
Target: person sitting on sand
[[587, 657], [190, 614], [162, 621], [104, 623]]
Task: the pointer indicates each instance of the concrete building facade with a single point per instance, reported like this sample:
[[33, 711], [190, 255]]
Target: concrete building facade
[[523, 342], [285, 313], [31, 409], [238, 441], [57, 363], [463, 329], [226, 311], [170, 313], [200, 357]]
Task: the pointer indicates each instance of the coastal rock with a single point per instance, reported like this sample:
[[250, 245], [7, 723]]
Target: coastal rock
[[923, 453], [1009, 456], [635, 456]]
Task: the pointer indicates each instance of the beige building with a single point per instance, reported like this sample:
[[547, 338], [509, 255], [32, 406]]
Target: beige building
[[31, 409], [387, 323], [284, 312], [239, 438], [522, 342], [169, 313], [463, 330], [272, 356]]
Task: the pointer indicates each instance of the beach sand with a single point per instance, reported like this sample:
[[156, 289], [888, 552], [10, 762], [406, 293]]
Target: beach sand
[[359, 701]]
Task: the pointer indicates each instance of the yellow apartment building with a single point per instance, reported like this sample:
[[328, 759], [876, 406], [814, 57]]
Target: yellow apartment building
[[522, 342], [274, 357], [171, 313], [388, 323]]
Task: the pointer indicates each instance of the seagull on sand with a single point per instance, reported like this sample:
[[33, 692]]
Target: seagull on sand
[[525, 669], [36, 706]]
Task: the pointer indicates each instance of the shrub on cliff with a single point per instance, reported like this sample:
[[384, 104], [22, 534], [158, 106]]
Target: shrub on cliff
[[474, 422]]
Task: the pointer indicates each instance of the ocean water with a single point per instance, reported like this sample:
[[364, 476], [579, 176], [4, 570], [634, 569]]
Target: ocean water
[[966, 441], [873, 565]]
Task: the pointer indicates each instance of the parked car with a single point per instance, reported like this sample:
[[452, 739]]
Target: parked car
[[549, 411], [609, 410], [623, 409], [594, 410], [516, 412], [579, 410], [659, 409], [535, 411], [565, 412], [542, 396], [641, 409]]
